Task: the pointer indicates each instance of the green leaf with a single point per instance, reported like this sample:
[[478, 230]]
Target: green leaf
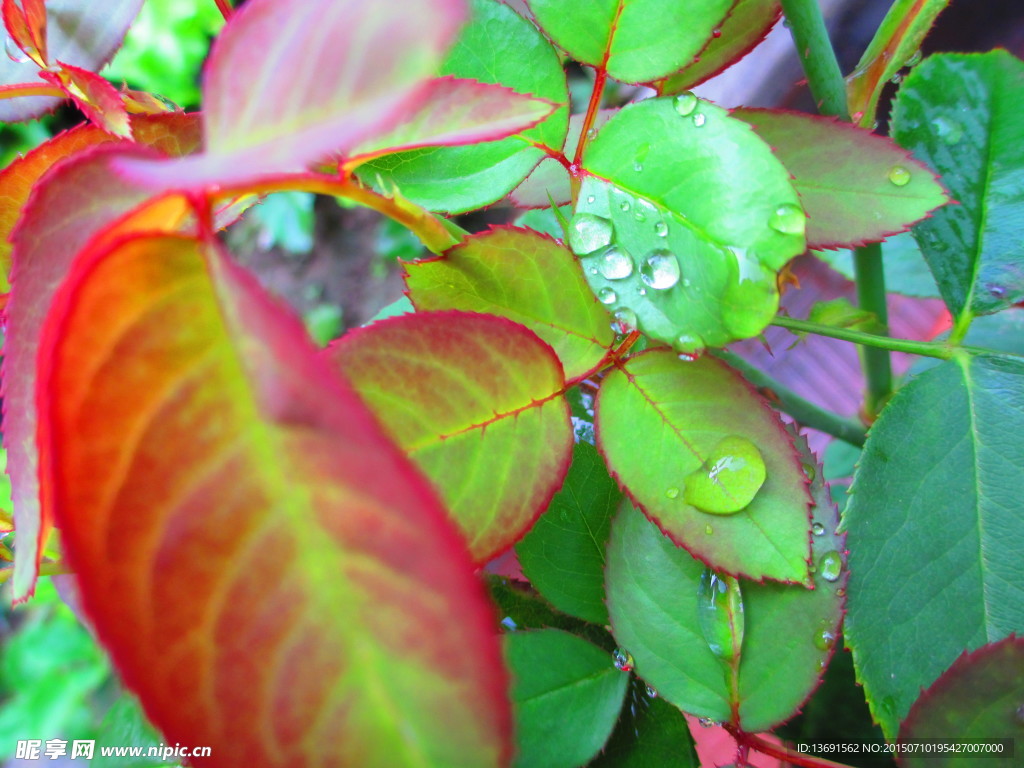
[[654, 598], [935, 530], [566, 694], [651, 733], [563, 554], [959, 114], [856, 187], [906, 271], [747, 24], [896, 44], [125, 725], [683, 411], [638, 41], [498, 46], [701, 215], [977, 699], [475, 400], [526, 277]]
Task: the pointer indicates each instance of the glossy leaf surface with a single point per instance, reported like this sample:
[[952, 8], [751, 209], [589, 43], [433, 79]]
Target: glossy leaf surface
[[563, 555], [476, 401], [82, 34], [958, 114], [684, 410], [526, 277], [746, 25], [459, 111], [497, 46], [895, 44], [856, 187], [654, 599], [638, 41], [344, 651], [978, 698], [351, 84], [567, 695], [935, 529], [79, 201], [684, 180]]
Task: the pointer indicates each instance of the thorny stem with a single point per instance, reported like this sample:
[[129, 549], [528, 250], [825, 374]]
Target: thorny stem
[[829, 89], [755, 742], [225, 8], [805, 412]]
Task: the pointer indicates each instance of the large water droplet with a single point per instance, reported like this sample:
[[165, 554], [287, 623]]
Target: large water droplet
[[824, 639], [899, 176], [14, 53], [623, 660], [625, 318], [788, 219], [685, 103], [831, 566], [607, 296], [699, 119], [720, 613], [613, 264], [818, 529], [728, 479], [588, 232], [660, 270], [661, 229]]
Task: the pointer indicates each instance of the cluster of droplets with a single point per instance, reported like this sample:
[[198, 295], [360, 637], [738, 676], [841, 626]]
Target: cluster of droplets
[[685, 104]]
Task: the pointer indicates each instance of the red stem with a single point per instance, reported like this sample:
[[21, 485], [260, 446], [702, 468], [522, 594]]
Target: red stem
[[766, 747], [592, 109], [225, 8]]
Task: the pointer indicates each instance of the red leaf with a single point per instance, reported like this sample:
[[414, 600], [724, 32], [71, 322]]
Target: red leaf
[[272, 577], [328, 74], [476, 400], [35, 18], [18, 28], [98, 99]]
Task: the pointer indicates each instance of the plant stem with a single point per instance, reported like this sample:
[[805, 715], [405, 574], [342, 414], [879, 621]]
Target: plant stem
[[782, 753], [805, 412], [829, 88], [941, 350], [870, 281], [225, 8], [817, 56], [31, 89]]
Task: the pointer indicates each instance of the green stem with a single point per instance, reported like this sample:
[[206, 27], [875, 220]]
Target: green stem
[[817, 56], [805, 412], [942, 351], [870, 280]]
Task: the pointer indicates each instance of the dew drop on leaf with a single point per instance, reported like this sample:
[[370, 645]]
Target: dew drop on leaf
[[729, 478], [948, 130], [661, 229], [672, 493], [660, 270], [641, 291], [810, 471], [824, 639], [685, 103], [613, 264], [590, 199], [708, 530], [788, 219], [14, 53], [720, 613], [699, 119], [624, 206], [623, 660], [607, 296], [638, 166], [717, 32], [899, 175], [831, 566], [689, 347], [706, 722], [651, 693], [625, 319], [995, 291], [818, 529], [588, 232]]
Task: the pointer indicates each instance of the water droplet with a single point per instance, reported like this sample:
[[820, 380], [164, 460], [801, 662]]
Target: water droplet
[[613, 264], [623, 660], [509, 623], [720, 613], [14, 53], [995, 291], [591, 133], [638, 166], [787, 23], [840, 592], [661, 229], [685, 103], [699, 119], [818, 529], [607, 296], [590, 199], [641, 291], [948, 130], [592, 270], [788, 219], [660, 270], [810, 471], [706, 722], [896, 79], [899, 175], [624, 206], [588, 232], [717, 32], [831, 565], [639, 215], [689, 347], [651, 693], [729, 478], [708, 530], [824, 639], [672, 493], [625, 318], [1019, 715], [914, 60]]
